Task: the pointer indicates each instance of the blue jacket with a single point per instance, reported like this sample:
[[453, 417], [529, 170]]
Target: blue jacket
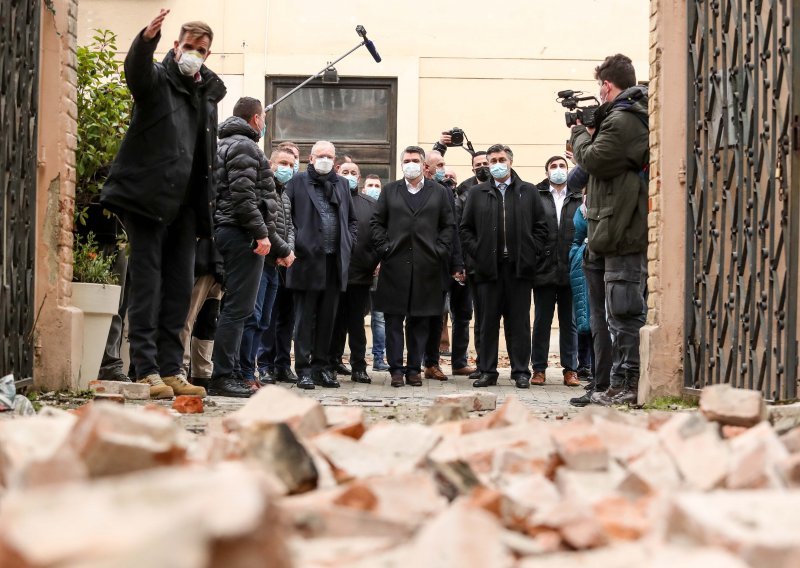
[[580, 294]]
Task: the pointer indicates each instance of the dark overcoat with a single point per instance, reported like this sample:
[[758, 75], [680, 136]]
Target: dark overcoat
[[159, 167], [554, 264], [363, 259], [308, 270], [414, 248]]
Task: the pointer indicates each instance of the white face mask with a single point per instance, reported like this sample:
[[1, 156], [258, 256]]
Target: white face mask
[[558, 176], [323, 165], [190, 63], [412, 170]]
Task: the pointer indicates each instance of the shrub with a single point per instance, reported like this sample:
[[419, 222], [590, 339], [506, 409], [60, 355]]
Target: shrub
[[90, 265]]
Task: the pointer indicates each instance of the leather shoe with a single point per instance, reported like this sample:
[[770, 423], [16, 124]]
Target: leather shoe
[[628, 396], [324, 379], [485, 380], [584, 373], [606, 398], [266, 378], [397, 379], [435, 372], [285, 376], [464, 371], [475, 375], [571, 379], [360, 377], [305, 382], [379, 365], [582, 401], [521, 382], [413, 379], [229, 386], [342, 369], [538, 378]]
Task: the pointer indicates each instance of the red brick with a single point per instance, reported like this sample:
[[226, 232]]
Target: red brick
[[186, 404]]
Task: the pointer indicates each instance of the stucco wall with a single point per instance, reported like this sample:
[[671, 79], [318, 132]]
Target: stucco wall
[[58, 328]]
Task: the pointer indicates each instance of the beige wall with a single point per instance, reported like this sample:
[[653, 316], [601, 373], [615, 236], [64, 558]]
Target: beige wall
[[493, 70]]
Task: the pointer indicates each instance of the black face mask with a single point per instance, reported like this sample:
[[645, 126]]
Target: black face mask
[[482, 173]]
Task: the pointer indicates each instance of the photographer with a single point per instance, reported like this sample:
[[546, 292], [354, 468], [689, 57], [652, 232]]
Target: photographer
[[615, 155]]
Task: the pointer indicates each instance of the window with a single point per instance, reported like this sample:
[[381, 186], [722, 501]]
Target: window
[[358, 115]]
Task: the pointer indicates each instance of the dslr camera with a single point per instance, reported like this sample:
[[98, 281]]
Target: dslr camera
[[456, 136], [586, 114]]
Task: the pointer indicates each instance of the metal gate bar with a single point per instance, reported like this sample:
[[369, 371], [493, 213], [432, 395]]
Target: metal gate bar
[[19, 58], [742, 207]]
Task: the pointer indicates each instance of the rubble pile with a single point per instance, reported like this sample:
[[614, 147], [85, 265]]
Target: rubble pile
[[286, 482]]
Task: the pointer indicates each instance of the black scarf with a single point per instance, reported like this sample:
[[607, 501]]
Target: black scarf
[[327, 182]]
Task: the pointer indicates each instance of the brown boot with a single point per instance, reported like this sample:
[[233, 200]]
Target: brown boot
[[181, 386], [413, 379], [538, 378], [435, 372], [571, 379], [157, 387]]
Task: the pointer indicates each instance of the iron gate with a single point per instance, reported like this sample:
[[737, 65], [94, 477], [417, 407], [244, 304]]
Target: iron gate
[[19, 56], [742, 210]]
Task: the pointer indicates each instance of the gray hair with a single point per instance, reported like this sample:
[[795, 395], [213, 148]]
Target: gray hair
[[319, 143], [412, 150]]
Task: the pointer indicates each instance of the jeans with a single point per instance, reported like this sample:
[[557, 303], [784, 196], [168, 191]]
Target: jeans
[[258, 323], [545, 299], [276, 342], [161, 275], [243, 270], [111, 363], [378, 325]]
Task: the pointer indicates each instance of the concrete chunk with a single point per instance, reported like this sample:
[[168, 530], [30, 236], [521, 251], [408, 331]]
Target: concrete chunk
[[272, 405], [470, 401], [131, 391]]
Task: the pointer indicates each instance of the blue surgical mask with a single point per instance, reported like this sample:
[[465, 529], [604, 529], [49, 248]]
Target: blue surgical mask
[[284, 174], [499, 171], [439, 175], [352, 181], [558, 176], [373, 192], [296, 167]]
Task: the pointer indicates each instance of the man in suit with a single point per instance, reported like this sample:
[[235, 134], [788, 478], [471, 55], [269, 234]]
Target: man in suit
[[326, 228], [412, 232], [503, 228]]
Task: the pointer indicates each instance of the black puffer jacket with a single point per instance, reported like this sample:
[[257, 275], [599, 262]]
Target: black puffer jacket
[[246, 195], [553, 269], [283, 240]]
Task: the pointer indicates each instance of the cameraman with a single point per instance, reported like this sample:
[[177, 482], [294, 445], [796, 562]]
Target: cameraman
[[615, 154]]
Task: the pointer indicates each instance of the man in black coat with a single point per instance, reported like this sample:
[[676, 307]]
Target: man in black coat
[[162, 185], [354, 301], [503, 229], [326, 229], [412, 232], [551, 285]]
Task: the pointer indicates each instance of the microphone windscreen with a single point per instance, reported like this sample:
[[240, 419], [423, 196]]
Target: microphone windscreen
[[372, 50]]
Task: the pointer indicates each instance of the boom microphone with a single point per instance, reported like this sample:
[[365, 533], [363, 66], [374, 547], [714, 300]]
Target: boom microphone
[[360, 30], [371, 48]]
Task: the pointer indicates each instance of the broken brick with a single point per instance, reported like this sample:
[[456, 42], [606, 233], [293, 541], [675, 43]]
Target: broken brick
[[186, 404], [737, 407]]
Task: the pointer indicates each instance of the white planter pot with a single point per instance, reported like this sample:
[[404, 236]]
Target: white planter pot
[[99, 303]]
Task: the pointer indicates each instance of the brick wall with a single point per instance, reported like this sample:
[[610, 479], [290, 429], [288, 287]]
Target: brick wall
[[654, 217]]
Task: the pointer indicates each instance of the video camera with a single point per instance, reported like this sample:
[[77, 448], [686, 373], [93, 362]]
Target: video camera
[[586, 114]]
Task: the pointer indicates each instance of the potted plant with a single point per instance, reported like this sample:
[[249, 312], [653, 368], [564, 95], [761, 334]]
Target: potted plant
[[96, 293]]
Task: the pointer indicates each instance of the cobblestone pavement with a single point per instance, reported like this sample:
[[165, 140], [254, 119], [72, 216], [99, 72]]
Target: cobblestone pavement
[[381, 401]]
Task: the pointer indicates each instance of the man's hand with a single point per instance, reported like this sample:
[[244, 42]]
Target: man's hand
[[459, 276], [445, 139], [588, 129], [262, 247], [287, 261], [154, 28], [570, 156], [377, 270]]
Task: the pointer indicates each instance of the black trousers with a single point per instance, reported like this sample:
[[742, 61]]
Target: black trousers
[[508, 297], [478, 310], [461, 314], [545, 299], [416, 334], [350, 324], [243, 270], [161, 275], [315, 314], [594, 271], [585, 352], [112, 359], [435, 325], [276, 342]]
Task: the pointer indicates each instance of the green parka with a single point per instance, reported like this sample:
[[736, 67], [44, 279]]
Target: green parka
[[617, 192]]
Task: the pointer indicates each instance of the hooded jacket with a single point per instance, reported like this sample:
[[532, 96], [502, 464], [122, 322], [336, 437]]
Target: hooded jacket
[[615, 159], [246, 195], [166, 158]]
